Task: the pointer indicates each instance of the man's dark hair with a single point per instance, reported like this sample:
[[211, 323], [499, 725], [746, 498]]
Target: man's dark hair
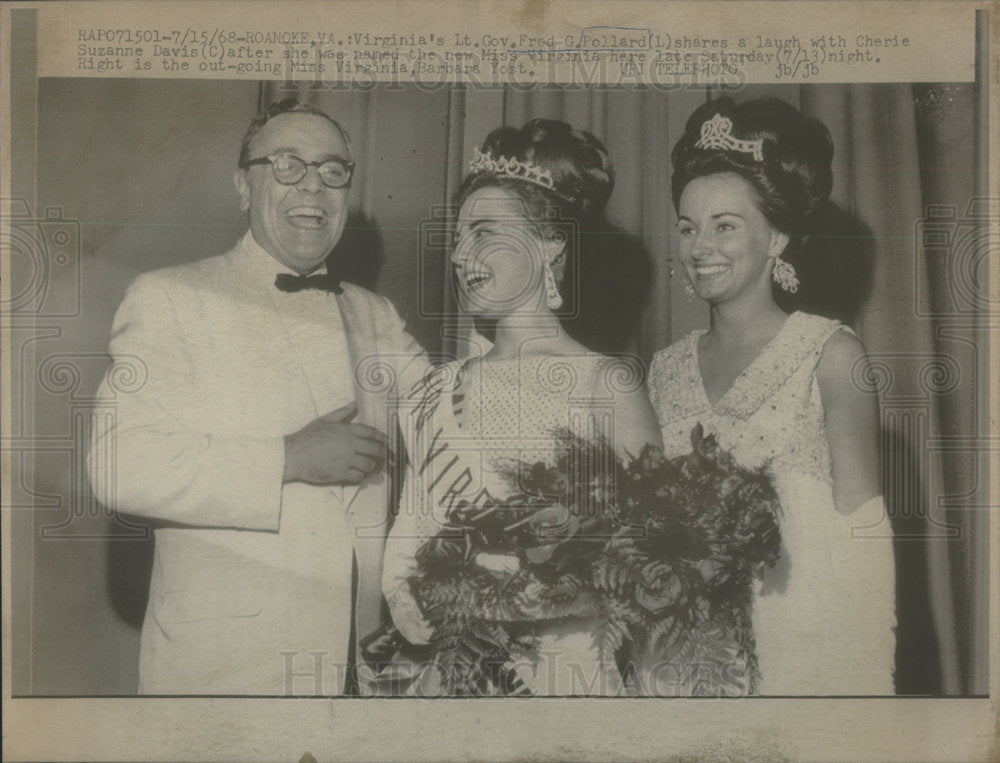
[[287, 106]]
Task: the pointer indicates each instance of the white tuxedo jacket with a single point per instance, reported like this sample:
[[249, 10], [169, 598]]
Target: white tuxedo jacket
[[251, 583]]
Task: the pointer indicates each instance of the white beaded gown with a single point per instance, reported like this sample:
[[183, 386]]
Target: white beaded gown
[[507, 413], [824, 616]]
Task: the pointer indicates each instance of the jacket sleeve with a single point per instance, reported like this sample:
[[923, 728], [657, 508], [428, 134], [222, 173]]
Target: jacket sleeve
[[148, 457]]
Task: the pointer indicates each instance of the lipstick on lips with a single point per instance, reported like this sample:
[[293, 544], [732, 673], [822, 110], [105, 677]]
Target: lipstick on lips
[[708, 271]]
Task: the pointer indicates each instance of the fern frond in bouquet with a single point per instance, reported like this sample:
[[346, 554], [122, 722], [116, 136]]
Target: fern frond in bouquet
[[660, 553]]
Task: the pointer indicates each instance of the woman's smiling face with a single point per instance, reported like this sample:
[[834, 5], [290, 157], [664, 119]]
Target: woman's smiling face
[[499, 256], [726, 243]]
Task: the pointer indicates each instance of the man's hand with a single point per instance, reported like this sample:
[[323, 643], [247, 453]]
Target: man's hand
[[331, 450]]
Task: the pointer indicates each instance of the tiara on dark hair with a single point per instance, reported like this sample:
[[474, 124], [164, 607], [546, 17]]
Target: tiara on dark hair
[[717, 133], [512, 168]]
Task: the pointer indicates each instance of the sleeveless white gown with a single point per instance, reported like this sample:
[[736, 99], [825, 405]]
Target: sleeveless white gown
[[824, 617]]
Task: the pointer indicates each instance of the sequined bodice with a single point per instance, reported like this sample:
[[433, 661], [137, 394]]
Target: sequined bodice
[[772, 415], [521, 402]]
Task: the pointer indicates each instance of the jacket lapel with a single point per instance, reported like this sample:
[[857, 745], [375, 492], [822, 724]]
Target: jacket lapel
[[367, 503]]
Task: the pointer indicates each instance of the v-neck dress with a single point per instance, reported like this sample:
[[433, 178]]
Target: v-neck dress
[[824, 616]]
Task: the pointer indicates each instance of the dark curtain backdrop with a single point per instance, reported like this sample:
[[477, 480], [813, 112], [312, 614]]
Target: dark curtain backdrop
[[146, 167]]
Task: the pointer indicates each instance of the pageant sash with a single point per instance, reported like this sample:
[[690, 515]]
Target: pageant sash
[[449, 469]]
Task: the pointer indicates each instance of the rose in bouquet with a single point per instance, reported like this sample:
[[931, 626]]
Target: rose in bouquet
[[660, 553]]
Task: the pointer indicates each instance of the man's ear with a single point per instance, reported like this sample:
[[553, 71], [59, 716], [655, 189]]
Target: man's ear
[[242, 188], [554, 249]]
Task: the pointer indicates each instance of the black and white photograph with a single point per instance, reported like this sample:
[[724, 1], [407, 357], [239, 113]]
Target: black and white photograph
[[379, 390]]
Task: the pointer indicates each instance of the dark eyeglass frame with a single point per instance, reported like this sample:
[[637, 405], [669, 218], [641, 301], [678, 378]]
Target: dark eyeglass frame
[[346, 164]]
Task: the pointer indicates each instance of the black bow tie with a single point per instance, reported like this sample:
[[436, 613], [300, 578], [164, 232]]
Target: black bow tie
[[294, 283]]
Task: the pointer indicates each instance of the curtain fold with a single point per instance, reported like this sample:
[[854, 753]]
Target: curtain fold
[[956, 278], [891, 175]]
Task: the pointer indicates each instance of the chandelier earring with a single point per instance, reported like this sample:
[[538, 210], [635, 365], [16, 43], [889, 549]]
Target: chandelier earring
[[688, 286], [553, 298], [784, 275]]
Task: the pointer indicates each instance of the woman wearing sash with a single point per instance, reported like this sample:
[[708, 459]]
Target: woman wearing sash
[[781, 392], [525, 209]]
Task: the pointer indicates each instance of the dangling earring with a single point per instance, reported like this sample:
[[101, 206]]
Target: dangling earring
[[784, 275], [688, 286], [552, 296]]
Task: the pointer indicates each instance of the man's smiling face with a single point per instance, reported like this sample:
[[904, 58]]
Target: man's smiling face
[[298, 224]]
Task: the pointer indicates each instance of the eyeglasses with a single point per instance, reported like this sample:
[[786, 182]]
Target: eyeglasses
[[290, 169]]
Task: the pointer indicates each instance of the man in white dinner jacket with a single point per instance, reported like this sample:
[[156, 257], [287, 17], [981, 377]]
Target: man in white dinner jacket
[[256, 443]]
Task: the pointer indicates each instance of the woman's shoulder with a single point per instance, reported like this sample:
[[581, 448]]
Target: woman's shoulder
[[672, 382], [800, 344], [842, 359], [579, 372], [842, 344], [621, 380], [826, 349], [586, 373], [620, 374], [666, 360], [809, 329]]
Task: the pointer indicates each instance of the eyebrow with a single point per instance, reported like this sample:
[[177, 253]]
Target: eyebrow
[[715, 216], [298, 152]]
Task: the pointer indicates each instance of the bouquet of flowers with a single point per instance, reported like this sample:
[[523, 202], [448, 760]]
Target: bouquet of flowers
[[661, 553]]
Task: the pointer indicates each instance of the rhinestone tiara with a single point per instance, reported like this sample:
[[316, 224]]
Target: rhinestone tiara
[[512, 167], [717, 132]]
